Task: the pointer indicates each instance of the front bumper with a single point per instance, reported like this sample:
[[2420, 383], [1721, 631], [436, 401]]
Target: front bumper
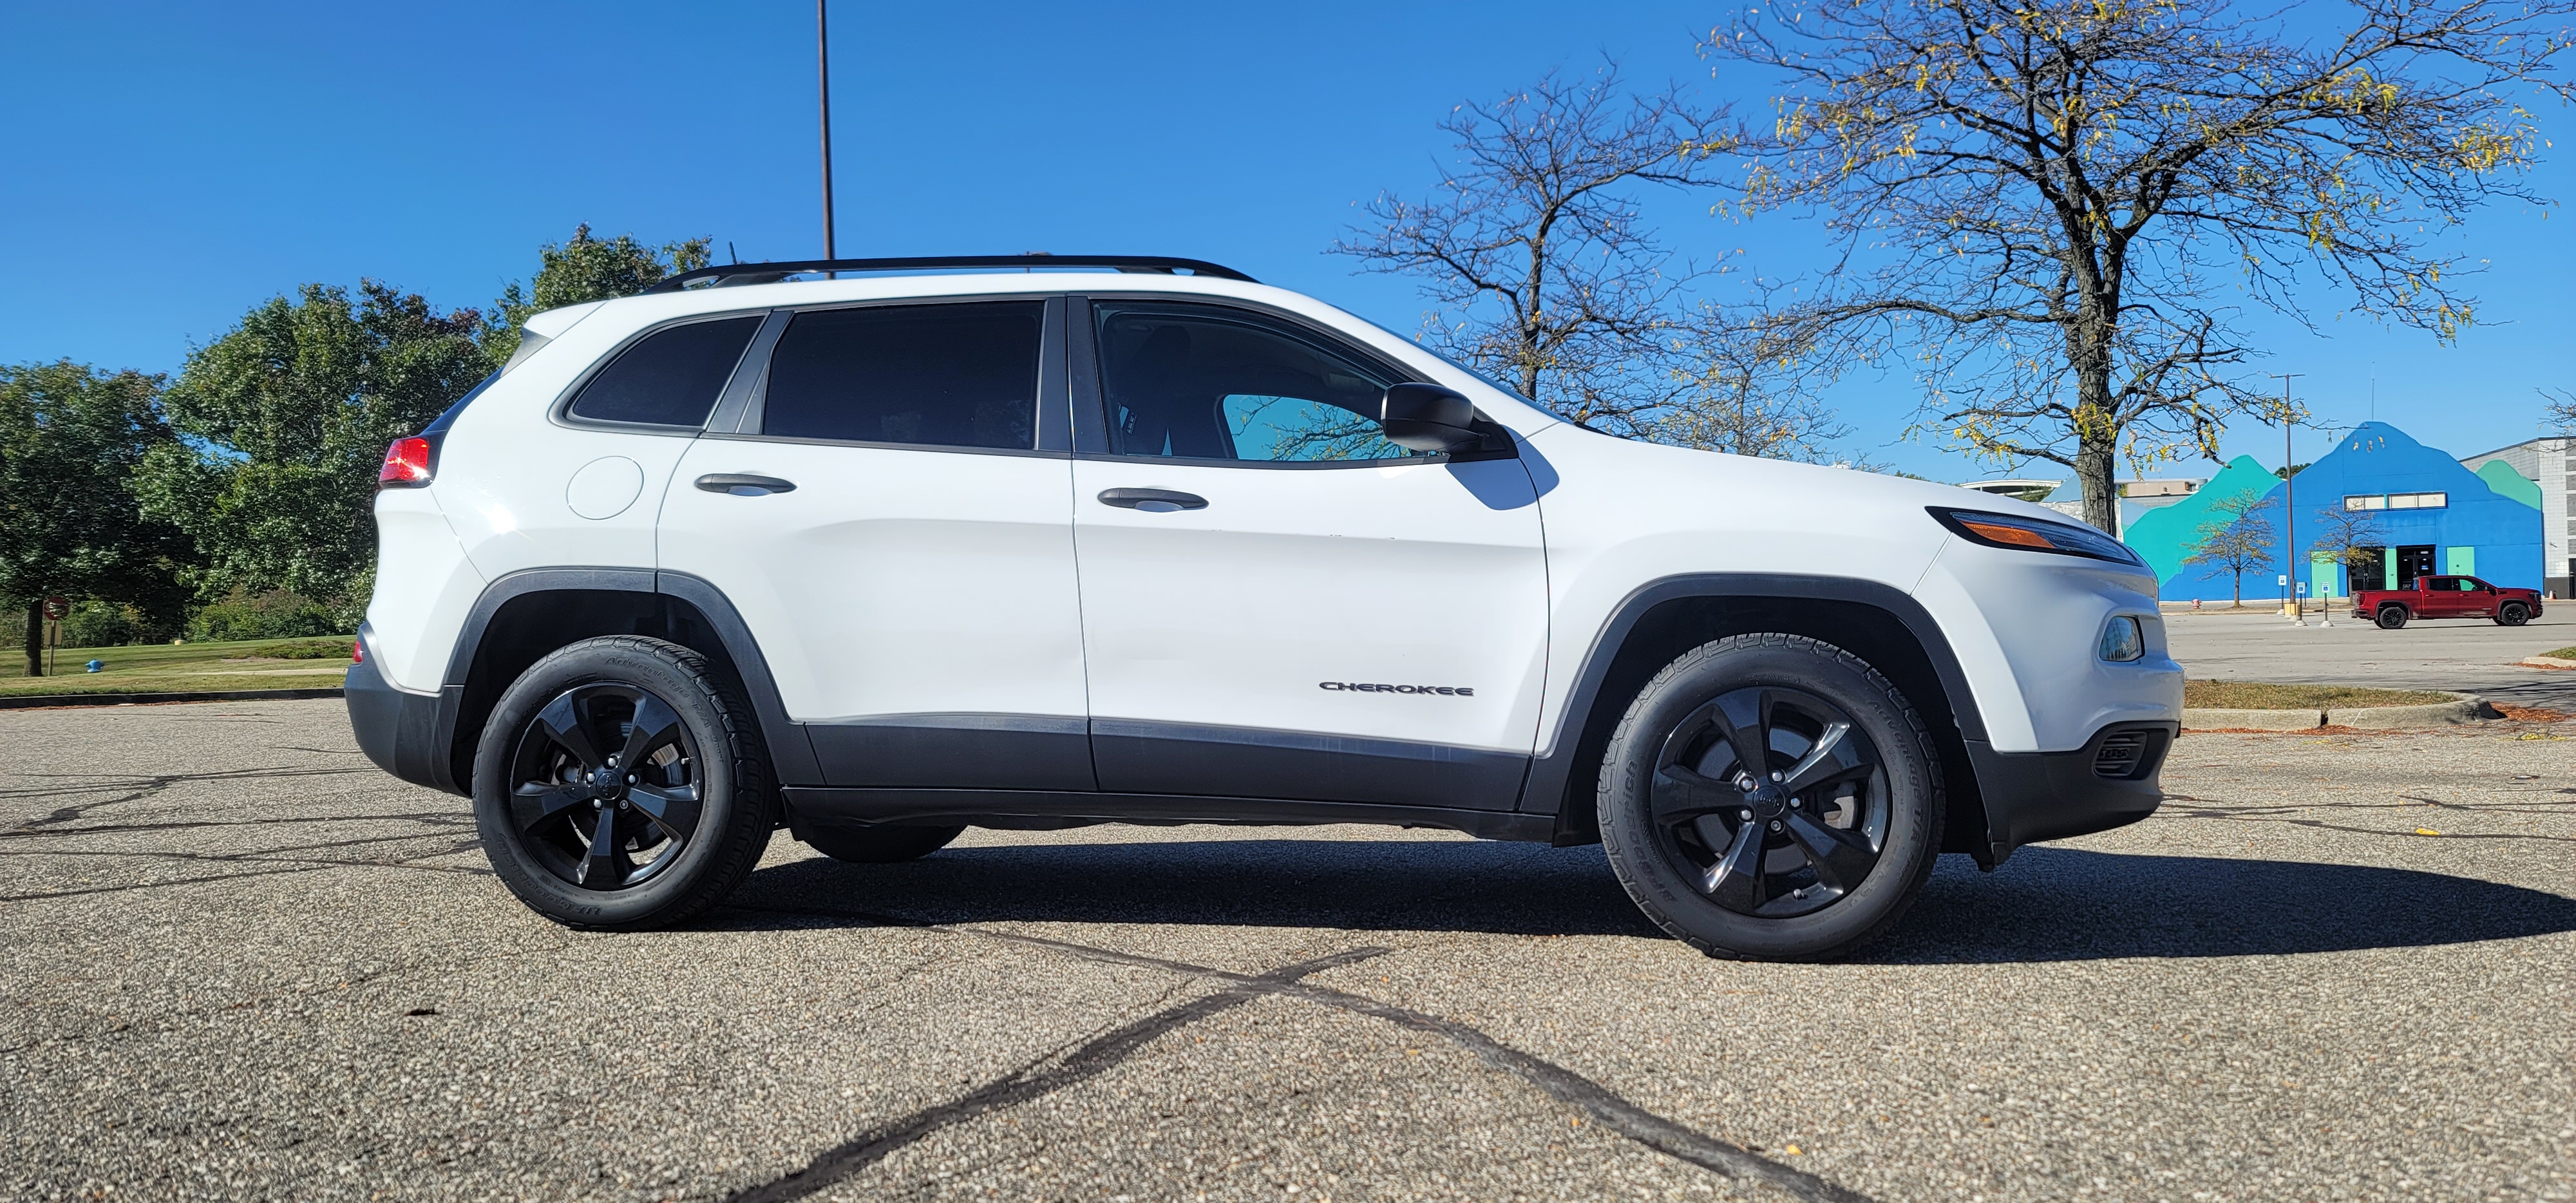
[[2109, 782], [399, 730]]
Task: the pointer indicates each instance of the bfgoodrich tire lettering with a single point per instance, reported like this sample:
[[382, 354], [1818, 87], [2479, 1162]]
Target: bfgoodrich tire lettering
[[620, 786], [1771, 797]]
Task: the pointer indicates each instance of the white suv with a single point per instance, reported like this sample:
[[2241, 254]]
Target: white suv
[[878, 558]]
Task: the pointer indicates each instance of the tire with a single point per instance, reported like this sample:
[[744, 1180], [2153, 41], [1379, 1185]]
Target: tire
[[1672, 801], [879, 845], [2391, 617], [682, 833], [2512, 614]]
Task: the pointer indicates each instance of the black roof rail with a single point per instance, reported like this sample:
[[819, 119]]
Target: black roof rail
[[770, 273]]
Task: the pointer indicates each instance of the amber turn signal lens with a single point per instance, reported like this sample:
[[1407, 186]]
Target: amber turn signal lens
[[2017, 536]]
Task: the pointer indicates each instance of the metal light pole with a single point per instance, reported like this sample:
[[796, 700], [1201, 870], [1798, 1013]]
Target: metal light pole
[[2289, 506], [823, 73]]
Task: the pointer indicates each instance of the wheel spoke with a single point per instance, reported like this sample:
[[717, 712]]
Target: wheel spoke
[[1735, 881], [1834, 755], [673, 808], [563, 721], [606, 865], [1745, 717], [534, 802], [655, 723], [1678, 793], [1841, 858]]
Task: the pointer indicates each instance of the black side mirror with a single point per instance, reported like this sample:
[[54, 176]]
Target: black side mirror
[[1427, 417]]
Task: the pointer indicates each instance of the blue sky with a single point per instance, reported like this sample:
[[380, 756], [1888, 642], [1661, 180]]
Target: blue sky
[[169, 166]]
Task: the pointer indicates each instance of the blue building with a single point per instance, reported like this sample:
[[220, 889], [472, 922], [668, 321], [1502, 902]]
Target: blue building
[[2419, 513]]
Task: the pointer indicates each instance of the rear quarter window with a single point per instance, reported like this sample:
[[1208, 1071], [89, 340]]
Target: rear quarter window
[[671, 377]]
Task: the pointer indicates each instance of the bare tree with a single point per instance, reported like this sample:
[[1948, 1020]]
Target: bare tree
[[1748, 386], [1534, 246], [2050, 202], [2353, 537], [2236, 538], [2562, 409]]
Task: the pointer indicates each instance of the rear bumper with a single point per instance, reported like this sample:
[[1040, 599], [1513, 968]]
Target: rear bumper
[[401, 731], [2110, 782]]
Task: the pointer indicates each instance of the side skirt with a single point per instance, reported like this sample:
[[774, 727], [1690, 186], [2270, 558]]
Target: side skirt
[[1024, 809]]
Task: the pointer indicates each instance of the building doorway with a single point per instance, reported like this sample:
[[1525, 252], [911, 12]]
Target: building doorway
[[2413, 562], [2368, 568]]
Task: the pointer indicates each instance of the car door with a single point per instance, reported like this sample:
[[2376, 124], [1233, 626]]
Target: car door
[[2477, 598], [2443, 597], [1278, 602], [891, 515]]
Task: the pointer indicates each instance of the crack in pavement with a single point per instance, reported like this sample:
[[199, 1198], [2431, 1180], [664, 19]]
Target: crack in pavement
[[1605, 1106], [441, 818], [292, 866], [139, 788], [1093, 1058]]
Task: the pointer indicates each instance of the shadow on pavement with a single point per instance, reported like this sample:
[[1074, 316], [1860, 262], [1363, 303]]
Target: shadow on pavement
[[2048, 904]]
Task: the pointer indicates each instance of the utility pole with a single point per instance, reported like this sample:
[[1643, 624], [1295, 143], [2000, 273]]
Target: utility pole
[[2289, 505], [823, 73]]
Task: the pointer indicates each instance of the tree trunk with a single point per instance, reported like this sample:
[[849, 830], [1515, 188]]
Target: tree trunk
[[2094, 461], [35, 636]]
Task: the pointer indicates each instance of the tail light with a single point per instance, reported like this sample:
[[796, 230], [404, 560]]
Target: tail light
[[357, 651], [407, 464]]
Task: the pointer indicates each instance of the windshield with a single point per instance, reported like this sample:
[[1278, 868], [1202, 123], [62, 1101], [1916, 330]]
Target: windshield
[[1468, 368]]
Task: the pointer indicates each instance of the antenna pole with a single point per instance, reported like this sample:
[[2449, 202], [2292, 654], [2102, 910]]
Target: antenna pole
[[823, 75]]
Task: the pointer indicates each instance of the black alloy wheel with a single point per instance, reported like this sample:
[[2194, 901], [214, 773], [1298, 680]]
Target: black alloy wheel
[[621, 785], [2512, 614], [1771, 797], [2391, 617], [1771, 800], [604, 790]]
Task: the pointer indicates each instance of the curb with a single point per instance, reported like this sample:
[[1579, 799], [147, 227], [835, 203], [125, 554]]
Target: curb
[[2253, 720], [2549, 662], [49, 701], [2463, 709]]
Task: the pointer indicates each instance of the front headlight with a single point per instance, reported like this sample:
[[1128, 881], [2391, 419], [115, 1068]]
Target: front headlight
[[2122, 640], [2032, 534]]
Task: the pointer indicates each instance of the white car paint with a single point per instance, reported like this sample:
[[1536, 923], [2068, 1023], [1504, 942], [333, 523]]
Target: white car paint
[[901, 581]]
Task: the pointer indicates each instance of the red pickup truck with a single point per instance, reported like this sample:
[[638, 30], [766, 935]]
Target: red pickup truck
[[2446, 597]]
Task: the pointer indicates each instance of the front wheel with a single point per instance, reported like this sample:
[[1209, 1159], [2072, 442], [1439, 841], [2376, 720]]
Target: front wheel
[[620, 786], [2391, 617], [2512, 614], [1771, 797]]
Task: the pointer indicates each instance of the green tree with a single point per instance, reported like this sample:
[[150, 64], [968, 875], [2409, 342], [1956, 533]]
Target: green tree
[[291, 411], [71, 438], [586, 269]]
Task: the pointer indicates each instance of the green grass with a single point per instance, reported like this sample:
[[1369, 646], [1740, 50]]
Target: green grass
[[2564, 653], [184, 668], [2266, 695]]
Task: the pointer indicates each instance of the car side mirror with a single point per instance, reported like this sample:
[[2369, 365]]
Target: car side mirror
[[1427, 417]]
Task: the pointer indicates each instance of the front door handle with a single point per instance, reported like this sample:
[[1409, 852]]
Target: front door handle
[[1152, 501], [743, 485]]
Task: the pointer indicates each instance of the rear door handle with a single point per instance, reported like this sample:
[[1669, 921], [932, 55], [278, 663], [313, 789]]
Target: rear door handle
[[743, 485], [1152, 501]]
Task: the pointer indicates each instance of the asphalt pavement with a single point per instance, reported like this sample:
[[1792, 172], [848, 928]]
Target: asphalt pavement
[[2463, 655], [236, 962]]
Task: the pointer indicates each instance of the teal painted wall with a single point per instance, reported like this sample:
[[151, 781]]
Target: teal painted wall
[[2501, 477], [2163, 536]]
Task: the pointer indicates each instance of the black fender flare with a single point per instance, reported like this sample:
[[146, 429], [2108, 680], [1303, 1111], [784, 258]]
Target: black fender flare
[[1551, 774]]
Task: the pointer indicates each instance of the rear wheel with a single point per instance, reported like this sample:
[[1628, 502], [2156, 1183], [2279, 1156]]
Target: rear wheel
[[1771, 797], [620, 786], [2512, 614], [879, 845], [2391, 617]]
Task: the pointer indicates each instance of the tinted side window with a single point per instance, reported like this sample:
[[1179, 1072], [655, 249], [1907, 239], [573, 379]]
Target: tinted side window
[[669, 379], [937, 375], [1207, 383]]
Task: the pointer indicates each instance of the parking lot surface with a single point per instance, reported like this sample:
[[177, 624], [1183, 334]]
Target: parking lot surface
[[238, 962], [2466, 655]]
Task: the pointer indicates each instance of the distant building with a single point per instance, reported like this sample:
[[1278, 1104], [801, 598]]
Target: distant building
[[2137, 497], [2537, 472], [2429, 515]]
